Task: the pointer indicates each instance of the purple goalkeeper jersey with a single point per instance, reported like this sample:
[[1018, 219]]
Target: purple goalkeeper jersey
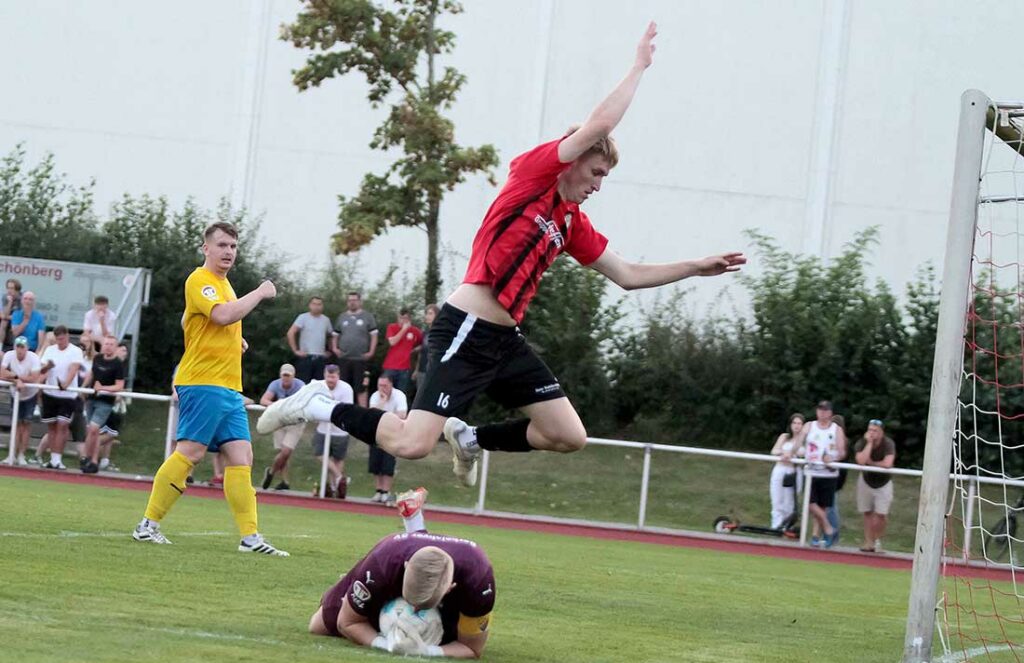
[[377, 579]]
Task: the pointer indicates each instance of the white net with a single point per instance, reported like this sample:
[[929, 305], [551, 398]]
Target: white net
[[982, 602]]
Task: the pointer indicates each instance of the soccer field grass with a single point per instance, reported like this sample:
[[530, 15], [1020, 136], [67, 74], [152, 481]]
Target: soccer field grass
[[76, 587]]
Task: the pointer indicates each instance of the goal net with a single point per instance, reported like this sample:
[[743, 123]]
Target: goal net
[[978, 599]]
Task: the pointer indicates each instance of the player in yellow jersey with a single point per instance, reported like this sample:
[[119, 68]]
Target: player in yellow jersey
[[209, 384]]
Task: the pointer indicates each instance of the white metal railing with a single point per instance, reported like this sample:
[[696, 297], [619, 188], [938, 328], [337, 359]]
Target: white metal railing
[[645, 476]]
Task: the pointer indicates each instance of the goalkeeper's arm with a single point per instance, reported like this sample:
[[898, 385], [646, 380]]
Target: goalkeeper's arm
[[357, 628]]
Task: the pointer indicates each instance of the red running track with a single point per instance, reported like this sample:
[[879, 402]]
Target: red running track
[[566, 529]]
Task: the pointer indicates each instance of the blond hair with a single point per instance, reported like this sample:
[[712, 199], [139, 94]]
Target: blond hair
[[428, 575], [604, 146]]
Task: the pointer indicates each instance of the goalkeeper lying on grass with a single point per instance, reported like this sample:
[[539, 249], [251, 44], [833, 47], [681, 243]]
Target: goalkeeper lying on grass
[[427, 570]]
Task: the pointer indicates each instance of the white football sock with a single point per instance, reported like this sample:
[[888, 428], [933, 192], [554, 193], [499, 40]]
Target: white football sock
[[104, 462], [467, 438], [320, 407], [54, 458], [414, 523]]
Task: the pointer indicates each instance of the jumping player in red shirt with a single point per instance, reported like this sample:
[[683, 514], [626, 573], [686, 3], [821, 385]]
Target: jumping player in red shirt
[[475, 345]]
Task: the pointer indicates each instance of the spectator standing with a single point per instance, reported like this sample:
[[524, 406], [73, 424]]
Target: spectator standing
[[286, 438], [824, 442], [60, 364], [381, 463], [833, 514], [874, 490], [403, 338], [341, 392], [100, 321], [11, 303], [107, 378], [22, 366], [355, 342], [784, 479], [313, 330], [423, 352], [30, 323], [78, 431]]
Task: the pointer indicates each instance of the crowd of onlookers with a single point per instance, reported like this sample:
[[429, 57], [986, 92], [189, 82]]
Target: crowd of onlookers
[[33, 356], [821, 442], [340, 352]]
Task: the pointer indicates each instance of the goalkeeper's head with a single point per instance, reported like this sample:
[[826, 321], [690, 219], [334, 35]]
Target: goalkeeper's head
[[428, 577]]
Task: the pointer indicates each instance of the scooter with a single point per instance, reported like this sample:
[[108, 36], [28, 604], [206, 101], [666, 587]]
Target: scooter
[[790, 526]]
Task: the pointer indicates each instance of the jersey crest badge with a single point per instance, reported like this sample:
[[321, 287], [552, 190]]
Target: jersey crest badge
[[209, 292], [360, 594]]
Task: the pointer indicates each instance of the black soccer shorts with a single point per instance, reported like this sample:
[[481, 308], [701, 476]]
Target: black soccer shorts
[[469, 356], [55, 408]]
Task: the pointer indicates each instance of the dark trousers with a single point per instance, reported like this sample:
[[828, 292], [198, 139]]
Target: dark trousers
[[310, 367]]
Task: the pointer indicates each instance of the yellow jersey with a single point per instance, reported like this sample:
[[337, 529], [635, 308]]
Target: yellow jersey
[[213, 353]]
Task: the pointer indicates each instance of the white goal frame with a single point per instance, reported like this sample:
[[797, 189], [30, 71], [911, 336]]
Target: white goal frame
[[977, 112]]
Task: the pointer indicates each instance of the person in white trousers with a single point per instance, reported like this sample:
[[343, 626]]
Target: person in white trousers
[[782, 490]]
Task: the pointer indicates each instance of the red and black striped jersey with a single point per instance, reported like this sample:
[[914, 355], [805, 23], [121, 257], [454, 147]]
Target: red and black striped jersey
[[525, 229]]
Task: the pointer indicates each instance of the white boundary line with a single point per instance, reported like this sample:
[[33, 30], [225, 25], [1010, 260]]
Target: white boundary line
[[65, 534], [969, 654]]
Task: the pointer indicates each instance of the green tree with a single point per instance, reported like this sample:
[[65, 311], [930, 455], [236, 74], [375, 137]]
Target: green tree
[[395, 45]]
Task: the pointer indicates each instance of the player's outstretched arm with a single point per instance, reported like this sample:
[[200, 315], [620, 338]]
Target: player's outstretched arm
[[231, 312], [606, 116], [632, 275]]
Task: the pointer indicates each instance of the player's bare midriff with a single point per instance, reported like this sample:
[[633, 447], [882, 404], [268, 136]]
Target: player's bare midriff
[[477, 299]]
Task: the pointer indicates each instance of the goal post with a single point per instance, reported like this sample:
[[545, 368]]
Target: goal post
[[947, 368], [954, 414]]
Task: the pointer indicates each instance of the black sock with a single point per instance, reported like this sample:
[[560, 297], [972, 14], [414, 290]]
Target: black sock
[[360, 422], [506, 436]]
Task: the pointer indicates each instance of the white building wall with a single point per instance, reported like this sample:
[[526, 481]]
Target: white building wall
[[149, 99]]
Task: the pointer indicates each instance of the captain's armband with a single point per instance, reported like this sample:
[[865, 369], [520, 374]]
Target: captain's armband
[[474, 625]]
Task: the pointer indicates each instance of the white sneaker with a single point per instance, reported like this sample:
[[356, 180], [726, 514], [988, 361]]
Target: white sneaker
[[259, 545], [21, 461], [149, 533], [291, 410], [54, 466], [464, 461]]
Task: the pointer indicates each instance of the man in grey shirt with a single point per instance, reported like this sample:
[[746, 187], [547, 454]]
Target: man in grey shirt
[[355, 341], [310, 349]]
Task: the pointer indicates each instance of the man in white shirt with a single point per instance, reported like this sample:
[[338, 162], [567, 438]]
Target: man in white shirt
[[22, 366], [381, 463], [341, 392], [61, 362], [825, 443], [100, 321]]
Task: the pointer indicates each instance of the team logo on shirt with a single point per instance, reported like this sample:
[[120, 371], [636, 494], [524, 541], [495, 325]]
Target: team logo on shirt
[[551, 229], [360, 594], [209, 292], [359, 322]]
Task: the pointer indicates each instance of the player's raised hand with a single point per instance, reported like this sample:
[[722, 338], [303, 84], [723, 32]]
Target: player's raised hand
[[645, 49], [267, 290], [720, 264]]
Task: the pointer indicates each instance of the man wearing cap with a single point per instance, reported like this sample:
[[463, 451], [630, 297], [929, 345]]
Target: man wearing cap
[[286, 438], [874, 489], [427, 570], [825, 443], [22, 367]]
